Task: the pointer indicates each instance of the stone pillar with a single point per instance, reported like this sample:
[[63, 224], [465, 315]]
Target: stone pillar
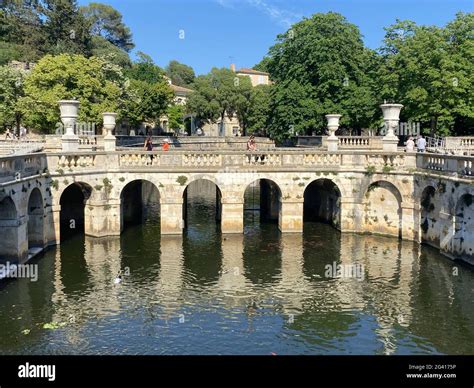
[[109, 125], [102, 218], [333, 125], [391, 117], [69, 112], [232, 217], [55, 235], [291, 216], [410, 228], [14, 246], [49, 227], [171, 215]]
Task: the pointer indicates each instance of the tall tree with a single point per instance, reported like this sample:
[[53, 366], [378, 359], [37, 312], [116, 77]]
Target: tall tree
[[218, 94], [430, 70], [324, 59], [11, 90], [259, 110], [203, 101], [22, 36], [175, 115], [148, 101], [98, 85], [66, 28], [180, 74], [104, 49], [106, 22], [145, 70]]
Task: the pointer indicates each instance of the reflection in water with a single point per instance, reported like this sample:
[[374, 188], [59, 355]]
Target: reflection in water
[[256, 293]]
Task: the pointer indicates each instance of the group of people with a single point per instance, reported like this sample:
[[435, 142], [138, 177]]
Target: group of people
[[11, 135], [420, 144], [148, 146]]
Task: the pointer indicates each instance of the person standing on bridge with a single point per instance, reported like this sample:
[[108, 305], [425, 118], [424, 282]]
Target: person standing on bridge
[[421, 144], [410, 145], [166, 145], [149, 147], [251, 145]]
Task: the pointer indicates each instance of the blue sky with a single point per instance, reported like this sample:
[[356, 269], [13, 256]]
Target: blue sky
[[215, 33]]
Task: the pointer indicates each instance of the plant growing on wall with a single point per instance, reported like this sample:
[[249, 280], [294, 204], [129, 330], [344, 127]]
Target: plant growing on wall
[[182, 180]]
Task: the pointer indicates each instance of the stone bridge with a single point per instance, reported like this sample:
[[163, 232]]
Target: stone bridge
[[420, 197]]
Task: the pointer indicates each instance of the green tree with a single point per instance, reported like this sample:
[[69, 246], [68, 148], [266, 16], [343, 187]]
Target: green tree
[[431, 71], [219, 94], [22, 36], [180, 74], [66, 28], [11, 90], [259, 109], [320, 67], [106, 22], [175, 115], [102, 48], [97, 84], [147, 101], [203, 101], [145, 70]]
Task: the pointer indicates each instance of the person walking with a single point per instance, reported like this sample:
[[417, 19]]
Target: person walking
[[410, 145]]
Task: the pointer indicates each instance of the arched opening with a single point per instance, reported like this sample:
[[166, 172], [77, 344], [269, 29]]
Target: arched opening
[[73, 202], [139, 204], [382, 209], [322, 203], [429, 216], [8, 230], [262, 203], [201, 203], [463, 242], [35, 221]]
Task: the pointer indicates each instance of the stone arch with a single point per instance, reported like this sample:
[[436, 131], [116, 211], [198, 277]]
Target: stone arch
[[139, 201], [35, 211], [9, 228], [73, 201], [262, 197], [322, 202], [430, 207], [207, 192], [463, 240], [382, 209]]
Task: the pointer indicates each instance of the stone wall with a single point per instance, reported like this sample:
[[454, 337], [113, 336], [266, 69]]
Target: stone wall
[[357, 192]]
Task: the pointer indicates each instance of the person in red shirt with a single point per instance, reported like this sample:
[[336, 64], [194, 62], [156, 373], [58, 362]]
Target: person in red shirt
[[166, 145]]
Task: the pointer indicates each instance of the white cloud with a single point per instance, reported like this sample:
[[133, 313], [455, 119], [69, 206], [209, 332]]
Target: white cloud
[[280, 15]]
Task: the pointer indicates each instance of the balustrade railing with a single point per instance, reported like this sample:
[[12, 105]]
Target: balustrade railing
[[461, 165], [12, 167]]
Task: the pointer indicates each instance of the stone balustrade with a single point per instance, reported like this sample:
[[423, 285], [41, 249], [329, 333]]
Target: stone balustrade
[[21, 166], [461, 165], [12, 167]]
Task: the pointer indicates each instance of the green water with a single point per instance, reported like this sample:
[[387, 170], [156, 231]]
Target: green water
[[257, 293]]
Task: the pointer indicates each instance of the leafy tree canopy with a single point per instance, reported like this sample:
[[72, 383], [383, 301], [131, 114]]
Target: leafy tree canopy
[[320, 66], [98, 85], [106, 22], [180, 74]]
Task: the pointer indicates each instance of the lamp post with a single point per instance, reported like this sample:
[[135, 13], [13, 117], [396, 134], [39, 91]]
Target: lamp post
[[333, 125], [391, 117], [69, 112], [109, 120]]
